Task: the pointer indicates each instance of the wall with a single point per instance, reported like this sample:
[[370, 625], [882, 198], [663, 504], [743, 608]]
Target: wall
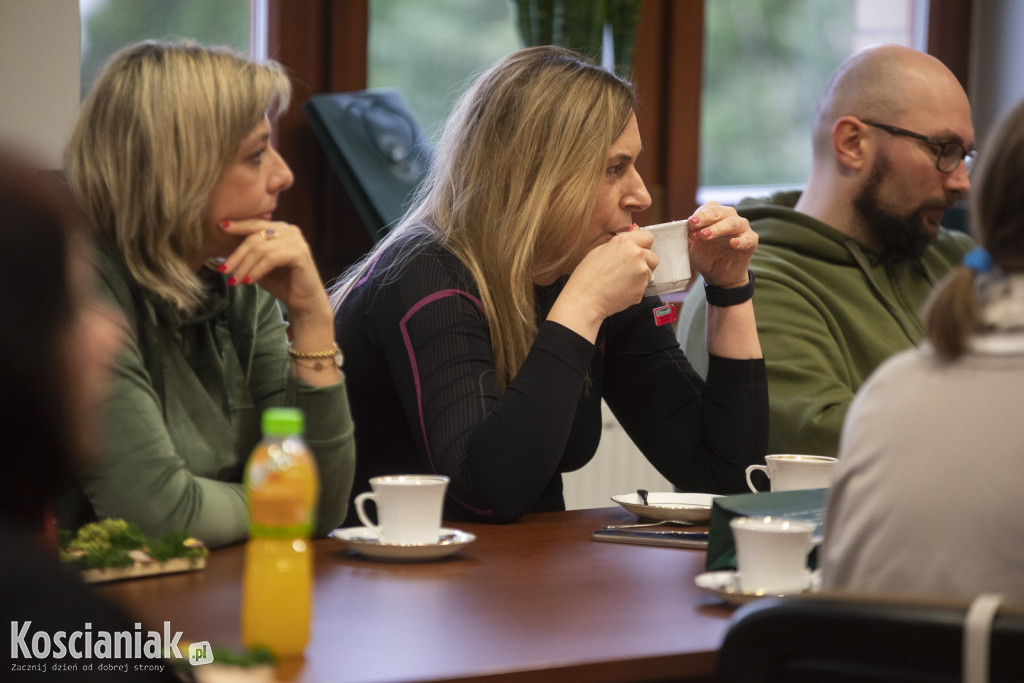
[[39, 76], [618, 468]]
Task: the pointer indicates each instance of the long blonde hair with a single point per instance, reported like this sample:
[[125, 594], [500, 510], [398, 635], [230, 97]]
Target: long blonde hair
[[160, 126], [953, 311], [514, 184]]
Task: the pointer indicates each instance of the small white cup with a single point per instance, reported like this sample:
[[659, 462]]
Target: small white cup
[[771, 554], [671, 244], [793, 472], [409, 508]]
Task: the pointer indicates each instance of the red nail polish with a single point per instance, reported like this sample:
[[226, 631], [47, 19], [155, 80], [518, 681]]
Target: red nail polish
[[246, 280], [224, 224], [222, 267], [706, 232], [695, 219], [232, 281]]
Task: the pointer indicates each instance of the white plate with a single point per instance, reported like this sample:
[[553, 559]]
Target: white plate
[[364, 541], [726, 585], [661, 507]]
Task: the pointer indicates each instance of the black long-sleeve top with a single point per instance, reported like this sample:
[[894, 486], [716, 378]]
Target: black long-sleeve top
[[424, 396]]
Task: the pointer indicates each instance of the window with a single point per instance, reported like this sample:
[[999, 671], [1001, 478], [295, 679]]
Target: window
[[765, 65], [430, 51], [109, 25]]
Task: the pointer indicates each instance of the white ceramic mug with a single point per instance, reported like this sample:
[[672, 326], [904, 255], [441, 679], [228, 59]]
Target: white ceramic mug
[[793, 472], [409, 508], [671, 244], [771, 554]]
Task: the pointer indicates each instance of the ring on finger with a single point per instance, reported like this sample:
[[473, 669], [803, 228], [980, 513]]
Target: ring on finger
[[268, 234]]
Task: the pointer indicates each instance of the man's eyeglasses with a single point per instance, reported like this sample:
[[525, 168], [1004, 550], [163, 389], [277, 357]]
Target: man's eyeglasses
[[950, 152]]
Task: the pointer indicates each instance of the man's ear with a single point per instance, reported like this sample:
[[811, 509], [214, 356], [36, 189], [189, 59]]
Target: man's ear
[[850, 144]]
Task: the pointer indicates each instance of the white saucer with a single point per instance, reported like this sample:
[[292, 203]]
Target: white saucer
[[661, 507], [726, 585], [364, 541]]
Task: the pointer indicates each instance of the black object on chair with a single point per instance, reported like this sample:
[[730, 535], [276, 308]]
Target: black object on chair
[[376, 148], [834, 639]]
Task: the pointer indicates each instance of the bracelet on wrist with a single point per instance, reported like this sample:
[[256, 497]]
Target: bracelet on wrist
[[722, 297], [318, 360]]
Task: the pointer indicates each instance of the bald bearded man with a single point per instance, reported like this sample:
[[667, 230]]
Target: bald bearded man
[[844, 267]]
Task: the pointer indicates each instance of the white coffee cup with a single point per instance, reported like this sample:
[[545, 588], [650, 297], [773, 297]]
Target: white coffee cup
[[771, 554], [793, 472], [409, 508], [671, 244]]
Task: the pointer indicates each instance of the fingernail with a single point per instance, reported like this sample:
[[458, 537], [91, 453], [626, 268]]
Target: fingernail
[[695, 219], [706, 232], [222, 267], [633, 227], [232, 281], [246, 280], [224, 224]]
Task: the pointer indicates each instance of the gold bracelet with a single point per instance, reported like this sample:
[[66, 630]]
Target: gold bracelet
[[317, 357]]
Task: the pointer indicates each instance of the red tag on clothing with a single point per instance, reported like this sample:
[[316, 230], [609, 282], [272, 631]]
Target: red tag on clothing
[[663, 315]]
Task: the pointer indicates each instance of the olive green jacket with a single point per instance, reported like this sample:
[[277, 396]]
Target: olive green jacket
[[185, 406]]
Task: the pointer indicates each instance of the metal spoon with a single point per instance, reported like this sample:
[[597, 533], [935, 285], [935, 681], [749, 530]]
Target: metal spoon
[[643, 495], [665, 522]]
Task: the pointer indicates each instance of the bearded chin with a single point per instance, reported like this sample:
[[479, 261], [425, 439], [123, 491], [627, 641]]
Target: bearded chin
[[898, 237]]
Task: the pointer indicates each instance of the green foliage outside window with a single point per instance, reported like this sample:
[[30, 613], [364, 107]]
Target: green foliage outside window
[[765, 64], [109, 25], [580, 25], [765, 61], [430, 50]]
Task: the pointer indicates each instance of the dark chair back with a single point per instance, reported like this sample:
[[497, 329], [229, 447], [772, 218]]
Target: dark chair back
[[844, 639], [377, 149]]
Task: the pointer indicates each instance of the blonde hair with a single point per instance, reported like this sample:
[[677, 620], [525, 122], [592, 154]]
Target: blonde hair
[[953, 311], [160, 126], [514, 184]]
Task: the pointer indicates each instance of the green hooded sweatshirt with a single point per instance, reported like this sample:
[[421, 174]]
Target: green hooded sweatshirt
[[828, 313]]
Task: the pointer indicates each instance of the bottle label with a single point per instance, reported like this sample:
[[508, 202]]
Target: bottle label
[[304, 530], [282, 490]]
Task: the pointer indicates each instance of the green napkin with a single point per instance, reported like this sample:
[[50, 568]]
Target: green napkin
[[806, 505]]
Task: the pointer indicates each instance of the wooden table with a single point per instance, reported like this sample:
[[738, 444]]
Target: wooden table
[[536, 600]]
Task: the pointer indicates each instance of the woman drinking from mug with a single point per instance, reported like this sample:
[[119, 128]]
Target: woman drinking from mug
[[484, 331]]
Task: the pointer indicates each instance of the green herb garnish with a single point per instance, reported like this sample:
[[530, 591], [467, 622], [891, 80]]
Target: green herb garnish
[[108, 543]]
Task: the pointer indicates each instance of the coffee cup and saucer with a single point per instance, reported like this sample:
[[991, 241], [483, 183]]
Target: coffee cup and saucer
[[409, 508], [771, 559]]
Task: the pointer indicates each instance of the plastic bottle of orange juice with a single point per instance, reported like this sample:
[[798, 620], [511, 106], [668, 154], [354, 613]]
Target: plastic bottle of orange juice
[[283, 487]]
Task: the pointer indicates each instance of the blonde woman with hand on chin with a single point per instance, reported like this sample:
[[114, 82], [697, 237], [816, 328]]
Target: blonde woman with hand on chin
[[485, 330], [173, 166]]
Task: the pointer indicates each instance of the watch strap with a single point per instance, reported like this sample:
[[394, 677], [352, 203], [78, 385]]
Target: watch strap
[[722, 297]]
